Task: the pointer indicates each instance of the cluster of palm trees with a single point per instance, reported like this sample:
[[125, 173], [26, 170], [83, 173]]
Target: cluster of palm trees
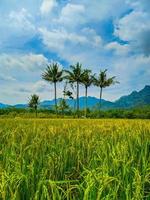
[[75, 77]]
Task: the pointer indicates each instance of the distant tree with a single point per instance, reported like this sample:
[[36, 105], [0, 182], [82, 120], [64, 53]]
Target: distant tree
[[34, 101], [68, 93], [87, 80], [75, 76], [62, 106], [53, 74], [102, 82], [73, 95]]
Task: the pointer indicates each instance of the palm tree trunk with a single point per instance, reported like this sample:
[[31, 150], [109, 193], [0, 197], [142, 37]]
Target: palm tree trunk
[[55, 91], [78, 99], [100, 99], [85, 101]]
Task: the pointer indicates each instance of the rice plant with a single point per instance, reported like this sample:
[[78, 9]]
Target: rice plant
[[64, 159]]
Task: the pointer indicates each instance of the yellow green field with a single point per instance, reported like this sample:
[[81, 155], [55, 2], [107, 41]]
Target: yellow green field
[[74, 159]]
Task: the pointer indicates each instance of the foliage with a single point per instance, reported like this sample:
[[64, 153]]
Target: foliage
[[75, 75], [34, 101], [102, 81], [66, 92], [87, 78], [62, 106], [53, 73], [134, 113]]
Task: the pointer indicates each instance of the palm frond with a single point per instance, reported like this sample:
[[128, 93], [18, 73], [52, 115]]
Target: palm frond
[[53, 73]]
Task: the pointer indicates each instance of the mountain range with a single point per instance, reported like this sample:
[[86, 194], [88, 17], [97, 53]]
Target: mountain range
[[136, 98]]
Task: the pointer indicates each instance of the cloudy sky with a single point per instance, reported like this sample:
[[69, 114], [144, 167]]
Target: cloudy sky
[[99, 33]]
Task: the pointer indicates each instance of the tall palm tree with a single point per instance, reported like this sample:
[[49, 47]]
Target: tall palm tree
[[75, 76], [87, 80], [34, 102], [53, 74], [102, 82]]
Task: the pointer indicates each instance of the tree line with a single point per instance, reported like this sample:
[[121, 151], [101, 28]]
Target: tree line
[[74, 77]]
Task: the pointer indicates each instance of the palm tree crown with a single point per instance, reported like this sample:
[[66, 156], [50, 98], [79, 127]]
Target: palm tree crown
[[87, 78], [76, 73], [53, 73], [102, 81]]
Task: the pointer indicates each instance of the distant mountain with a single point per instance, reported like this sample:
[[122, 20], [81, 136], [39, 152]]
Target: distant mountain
[[134, 99], [20, 106], [3, 105], [92, 102]]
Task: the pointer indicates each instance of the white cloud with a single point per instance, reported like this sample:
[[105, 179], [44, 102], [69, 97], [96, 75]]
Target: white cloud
[[132, 70], [132, 25], [40, 86], [21, 20], [26, 62], [73, 46], [135, 29], [143, 5], [18, 92], [117, 48], [4, 77], [47, 6], [16, 29], [18, 75], [104, 9], [71, 15], [61, 37], [79, 12]]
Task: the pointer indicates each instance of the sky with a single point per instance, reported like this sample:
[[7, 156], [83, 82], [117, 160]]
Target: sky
[[100, 34]]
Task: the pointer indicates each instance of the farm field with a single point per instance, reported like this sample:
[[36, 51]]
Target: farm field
[[60, 159]]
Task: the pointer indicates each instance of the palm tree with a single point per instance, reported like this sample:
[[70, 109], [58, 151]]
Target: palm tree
[[34, 102], [75, 76], [87, 80], [102, 82], [53, 74]]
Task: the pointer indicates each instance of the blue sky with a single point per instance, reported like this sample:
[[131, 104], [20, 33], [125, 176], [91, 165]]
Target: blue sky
[[99, 33]]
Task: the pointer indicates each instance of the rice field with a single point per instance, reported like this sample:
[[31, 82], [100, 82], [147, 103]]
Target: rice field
[[64, 159]]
